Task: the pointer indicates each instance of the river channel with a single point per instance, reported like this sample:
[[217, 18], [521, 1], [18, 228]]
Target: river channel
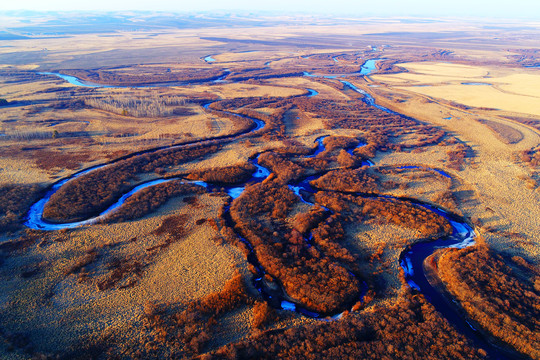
[[411, 259]]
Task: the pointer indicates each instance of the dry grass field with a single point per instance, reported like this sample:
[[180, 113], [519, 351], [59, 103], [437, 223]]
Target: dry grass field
[[488, 87], [147, 287]]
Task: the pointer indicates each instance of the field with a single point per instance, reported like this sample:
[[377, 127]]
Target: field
[[487, 87], [350, 187]]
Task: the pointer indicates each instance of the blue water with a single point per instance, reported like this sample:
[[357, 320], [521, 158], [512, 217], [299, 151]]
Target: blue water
[[308, 74], [312, 92], [368, 67], [209, 58], [222, 77], [78, 82], [320, 147], [475, 83], [75, 81], [368, 99]]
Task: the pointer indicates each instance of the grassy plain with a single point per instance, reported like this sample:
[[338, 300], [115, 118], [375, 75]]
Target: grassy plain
[[477, 86]]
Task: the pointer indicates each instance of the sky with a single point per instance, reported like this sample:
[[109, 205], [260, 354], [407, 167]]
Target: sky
[[526, 9]]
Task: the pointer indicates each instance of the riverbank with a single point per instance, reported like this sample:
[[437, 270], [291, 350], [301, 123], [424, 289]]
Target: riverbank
[[431, 268]]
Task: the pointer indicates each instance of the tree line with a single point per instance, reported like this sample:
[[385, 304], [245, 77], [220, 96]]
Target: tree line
[[228, 175], [143, 106]]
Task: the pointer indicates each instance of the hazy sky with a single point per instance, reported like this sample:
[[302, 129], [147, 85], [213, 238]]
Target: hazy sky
[[475, 8]]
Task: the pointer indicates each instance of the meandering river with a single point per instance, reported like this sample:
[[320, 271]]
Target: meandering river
[[411, 259]]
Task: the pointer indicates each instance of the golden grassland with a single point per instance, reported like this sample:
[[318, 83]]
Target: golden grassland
[[187, 271], [483, 96], [504, 89], [382, 244]]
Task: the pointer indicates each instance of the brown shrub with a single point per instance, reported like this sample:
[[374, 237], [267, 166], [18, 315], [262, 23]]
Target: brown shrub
[[145, 75], [285, 169], [456, 157], [151, 198], [493, 295], [395, 211], [262, 314], [260, 216], [412, 326], [531, 156], [229, 175], [362, 180], [345, 159], [15, 202]]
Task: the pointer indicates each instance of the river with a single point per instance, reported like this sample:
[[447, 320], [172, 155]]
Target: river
[[411, 259], [78, 82]]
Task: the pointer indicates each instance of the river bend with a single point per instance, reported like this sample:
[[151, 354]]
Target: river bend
[[411, 259]]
